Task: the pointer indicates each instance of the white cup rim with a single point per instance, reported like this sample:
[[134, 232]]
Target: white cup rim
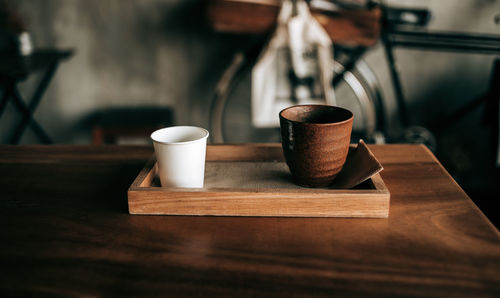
[[154, 135]]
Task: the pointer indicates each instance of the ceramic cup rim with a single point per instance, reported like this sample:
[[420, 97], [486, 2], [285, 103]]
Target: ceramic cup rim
[[317, 106], [154, 135]]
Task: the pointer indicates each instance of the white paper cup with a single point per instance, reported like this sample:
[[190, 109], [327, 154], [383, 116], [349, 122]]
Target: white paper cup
[[180, 152]]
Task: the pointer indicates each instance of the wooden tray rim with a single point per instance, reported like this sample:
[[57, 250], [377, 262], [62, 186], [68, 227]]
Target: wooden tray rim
[[144, 199]]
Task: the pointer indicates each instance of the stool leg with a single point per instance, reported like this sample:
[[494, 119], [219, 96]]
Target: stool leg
[[97, 136], [27, 119], [7, 93]]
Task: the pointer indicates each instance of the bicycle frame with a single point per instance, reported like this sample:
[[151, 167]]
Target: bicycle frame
[[402, 28]]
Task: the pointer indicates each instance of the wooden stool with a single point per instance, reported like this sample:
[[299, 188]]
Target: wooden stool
[[129, 125]]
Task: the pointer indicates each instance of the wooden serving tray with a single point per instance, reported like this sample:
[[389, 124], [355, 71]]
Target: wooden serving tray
[[253, 180]]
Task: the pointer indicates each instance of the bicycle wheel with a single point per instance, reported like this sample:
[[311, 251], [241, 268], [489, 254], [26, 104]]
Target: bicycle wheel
[[231, 107]]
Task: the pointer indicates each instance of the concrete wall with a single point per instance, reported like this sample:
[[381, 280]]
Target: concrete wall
[[127, 54], [160, 53]]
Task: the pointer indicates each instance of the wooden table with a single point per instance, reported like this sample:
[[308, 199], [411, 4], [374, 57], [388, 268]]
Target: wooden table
[[66, 231]]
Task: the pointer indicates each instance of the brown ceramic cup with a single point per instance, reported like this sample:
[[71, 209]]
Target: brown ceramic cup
[[315, 140]]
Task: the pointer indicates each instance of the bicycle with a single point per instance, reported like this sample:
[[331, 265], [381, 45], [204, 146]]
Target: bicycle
[[354, 82]]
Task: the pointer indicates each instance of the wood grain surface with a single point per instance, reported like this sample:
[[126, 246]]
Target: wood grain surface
[[66, 232]]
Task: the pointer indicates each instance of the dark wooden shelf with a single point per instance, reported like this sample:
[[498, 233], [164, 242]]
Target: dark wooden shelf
[[354, 27]]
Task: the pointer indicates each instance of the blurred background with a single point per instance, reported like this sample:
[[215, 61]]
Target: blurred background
[[126, 67]]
